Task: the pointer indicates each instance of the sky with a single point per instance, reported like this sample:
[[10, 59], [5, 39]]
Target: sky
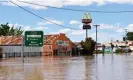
[[111, 24]]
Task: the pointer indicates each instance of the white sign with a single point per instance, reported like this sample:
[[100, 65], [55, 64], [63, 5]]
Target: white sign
[[63, 43]]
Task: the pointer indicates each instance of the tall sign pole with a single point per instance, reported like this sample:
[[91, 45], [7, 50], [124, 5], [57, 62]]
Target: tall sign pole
[[86, 20], [86, 33], [96, 37]]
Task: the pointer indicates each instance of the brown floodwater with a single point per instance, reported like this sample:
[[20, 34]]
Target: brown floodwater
[[108, 67]]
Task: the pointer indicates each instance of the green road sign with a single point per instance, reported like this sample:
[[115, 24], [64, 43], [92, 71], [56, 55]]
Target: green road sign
[[33, 38]]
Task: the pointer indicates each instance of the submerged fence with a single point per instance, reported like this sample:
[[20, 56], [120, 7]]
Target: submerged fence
[[15, 51]]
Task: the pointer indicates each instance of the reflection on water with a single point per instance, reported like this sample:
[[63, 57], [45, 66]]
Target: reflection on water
[[108, 67]]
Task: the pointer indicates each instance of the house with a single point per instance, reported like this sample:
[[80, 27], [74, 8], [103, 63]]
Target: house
[[77, 44], [12, 45], [56, 42]]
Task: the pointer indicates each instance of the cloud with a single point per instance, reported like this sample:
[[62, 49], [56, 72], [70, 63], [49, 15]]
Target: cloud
[[82, 2], [106, 36], [109, 27], [40, 28], [77, 32], [74, 22], [69, 32], [61, 3], [120, 1], [16, 25], [34, 28], [54, 3], [66, 31], [42, 23], [128, 27]]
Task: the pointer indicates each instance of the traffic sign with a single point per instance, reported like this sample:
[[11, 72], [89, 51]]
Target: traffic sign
[[33, 38]]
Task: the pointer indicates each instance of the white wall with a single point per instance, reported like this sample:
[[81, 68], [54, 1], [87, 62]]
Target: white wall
[[11, 49], [131, 47]]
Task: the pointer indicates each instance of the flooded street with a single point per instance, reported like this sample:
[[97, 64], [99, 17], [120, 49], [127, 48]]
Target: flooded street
[[108, 67]]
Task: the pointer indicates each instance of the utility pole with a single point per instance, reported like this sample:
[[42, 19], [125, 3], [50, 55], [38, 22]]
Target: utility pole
[[126, 30], [96, 37]]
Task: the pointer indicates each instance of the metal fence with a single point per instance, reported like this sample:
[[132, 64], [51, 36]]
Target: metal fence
[[15, 51]]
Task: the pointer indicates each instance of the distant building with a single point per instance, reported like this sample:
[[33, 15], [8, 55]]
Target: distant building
[[120, 44], [56, 42], [99, 46]]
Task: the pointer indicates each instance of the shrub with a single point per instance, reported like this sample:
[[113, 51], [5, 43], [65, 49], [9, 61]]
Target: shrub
[[122, 50]]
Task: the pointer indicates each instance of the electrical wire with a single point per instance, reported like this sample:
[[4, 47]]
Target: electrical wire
[[77, 9], [42, 17]]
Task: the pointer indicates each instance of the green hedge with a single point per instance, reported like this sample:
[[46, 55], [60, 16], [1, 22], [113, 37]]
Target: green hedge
[[122, 50], [98, 51]]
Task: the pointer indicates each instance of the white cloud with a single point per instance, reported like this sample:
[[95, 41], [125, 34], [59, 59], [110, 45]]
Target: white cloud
[[77, 32], [54, 3], [61, 3], [109, 27], [40, 28], [74, 22], [105, 36], [120, 1], [28, 27], [69, 32], [16, 25], [34, 28], [129, 28], [51, 20], [82, 2], [66, 31]]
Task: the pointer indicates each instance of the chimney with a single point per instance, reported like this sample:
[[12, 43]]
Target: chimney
[[62, 34]]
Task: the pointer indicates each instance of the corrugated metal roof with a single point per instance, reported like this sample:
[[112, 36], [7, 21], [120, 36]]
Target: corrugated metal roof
[[17, 40]]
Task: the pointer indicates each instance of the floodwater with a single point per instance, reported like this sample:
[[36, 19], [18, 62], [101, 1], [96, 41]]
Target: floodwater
[[108, 67]]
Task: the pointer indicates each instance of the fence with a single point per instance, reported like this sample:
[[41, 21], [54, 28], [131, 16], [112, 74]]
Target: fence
[[15, 51]]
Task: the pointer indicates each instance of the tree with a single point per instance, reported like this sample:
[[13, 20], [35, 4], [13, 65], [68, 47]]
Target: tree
[[124, 38], [129, 36], [6, 30], [88, 46]]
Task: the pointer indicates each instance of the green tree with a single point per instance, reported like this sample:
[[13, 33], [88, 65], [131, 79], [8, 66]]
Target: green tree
[[6, 30], [88, 46], [129, 36]]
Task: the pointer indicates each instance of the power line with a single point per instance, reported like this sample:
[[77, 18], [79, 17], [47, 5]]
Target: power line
[[42, 17], [77, 9]]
